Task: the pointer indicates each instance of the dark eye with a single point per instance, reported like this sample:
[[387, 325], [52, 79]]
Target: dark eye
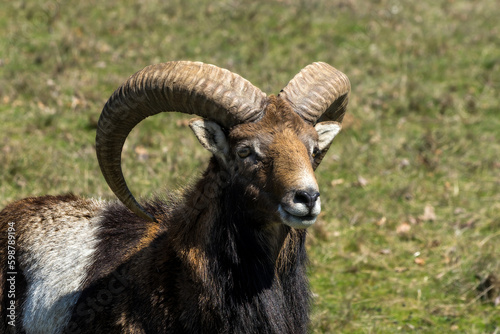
[[244, 152], [315, 152]]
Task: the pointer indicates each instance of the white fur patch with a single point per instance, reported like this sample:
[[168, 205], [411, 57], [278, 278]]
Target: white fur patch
[[59, 250]]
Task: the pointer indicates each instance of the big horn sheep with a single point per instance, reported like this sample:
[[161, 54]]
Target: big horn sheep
[[226, 256]]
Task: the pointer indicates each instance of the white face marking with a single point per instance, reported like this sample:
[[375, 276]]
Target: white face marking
[[256, 146], [298, 216], [55, 265]]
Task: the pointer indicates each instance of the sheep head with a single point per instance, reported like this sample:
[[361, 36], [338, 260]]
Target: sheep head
[[270, 145], [273, 161]]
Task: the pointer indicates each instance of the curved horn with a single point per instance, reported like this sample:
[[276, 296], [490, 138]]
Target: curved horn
[[318, 93], [187, 87]]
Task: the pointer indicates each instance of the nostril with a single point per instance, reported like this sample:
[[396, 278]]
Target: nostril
[[307, 198]]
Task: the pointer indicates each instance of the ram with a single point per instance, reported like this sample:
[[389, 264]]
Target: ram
[[225, 255]]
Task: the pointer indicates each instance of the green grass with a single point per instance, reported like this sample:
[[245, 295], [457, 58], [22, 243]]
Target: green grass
[[423, 130]]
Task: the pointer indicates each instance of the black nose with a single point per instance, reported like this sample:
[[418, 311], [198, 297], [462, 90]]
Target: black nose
[[307, 198]]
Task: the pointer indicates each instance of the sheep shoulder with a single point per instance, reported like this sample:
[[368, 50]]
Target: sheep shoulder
[[63, 244]]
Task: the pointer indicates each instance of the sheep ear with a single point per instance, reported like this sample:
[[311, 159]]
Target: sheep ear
[[326, 132], [210, 136]]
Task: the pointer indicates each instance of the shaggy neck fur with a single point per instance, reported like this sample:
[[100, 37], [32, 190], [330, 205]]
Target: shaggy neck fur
[[253, 271]]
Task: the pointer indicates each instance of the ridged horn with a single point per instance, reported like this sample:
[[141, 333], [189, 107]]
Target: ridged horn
[[319, 92], [187, 87]]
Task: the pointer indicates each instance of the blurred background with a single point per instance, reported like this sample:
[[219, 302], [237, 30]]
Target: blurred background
[[409, 238]]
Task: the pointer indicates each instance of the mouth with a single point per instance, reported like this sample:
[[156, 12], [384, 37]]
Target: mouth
[[295, 221]]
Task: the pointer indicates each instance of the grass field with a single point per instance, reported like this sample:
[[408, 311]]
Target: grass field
[[409, 238]]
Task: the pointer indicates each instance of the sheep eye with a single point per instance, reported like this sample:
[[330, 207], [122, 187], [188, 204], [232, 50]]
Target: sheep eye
[[315, 152], [244, 152]]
